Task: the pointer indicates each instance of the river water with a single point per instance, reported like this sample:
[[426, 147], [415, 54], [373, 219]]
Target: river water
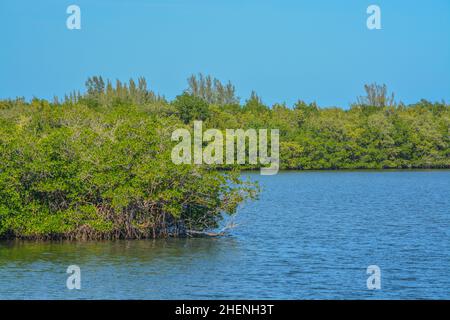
[[311, 235]]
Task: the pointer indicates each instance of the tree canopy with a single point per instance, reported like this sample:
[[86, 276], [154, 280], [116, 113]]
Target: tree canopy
[[97, 164]]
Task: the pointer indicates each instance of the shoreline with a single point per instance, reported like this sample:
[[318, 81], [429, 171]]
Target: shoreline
[[354, 170]]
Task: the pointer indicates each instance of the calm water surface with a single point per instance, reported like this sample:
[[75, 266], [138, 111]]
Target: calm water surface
[[310, 236]]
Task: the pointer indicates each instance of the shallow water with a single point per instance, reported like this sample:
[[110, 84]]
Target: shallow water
[[310, 236]]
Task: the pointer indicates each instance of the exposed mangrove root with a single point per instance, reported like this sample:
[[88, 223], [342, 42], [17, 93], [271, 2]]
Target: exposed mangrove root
[[222, 232]]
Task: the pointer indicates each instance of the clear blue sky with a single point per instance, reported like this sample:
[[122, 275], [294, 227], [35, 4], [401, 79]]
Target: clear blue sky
[[285, 50]]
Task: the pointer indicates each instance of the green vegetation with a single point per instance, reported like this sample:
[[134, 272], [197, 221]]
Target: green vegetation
[[97, 165]]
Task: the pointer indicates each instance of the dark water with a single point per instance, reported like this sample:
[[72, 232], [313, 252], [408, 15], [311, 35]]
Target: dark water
[[310, 236]]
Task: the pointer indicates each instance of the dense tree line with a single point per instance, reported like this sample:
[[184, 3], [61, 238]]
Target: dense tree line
[[374, 133], [97, 164]]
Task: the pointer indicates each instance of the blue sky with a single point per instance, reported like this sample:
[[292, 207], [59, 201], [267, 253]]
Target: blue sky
[[284, 50]]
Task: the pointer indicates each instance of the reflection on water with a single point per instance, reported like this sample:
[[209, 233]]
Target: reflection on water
[[143, 251], [117, 269], [311, 235]]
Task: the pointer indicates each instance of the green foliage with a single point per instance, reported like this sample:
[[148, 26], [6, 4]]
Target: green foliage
[[75, 171], [376, 96], [98, 165], [212, 90], [190, 107]]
